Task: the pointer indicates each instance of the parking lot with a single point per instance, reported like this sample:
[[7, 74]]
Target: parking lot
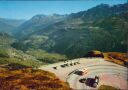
[[94, 66]]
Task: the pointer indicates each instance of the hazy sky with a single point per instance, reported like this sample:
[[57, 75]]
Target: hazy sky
[[27, 9]]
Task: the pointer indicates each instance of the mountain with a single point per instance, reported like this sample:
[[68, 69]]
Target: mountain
[[12, 22], [37, 22], [101, 28], [7, 25], [33, 58], [102, 11], [117, 26]]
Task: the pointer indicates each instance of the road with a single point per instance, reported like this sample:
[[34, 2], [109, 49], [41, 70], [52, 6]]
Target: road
[[109, 73]]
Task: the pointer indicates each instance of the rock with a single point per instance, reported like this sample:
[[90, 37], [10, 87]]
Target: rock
[[94, 54]]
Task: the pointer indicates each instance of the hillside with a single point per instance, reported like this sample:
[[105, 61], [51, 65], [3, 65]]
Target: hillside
[[33, 58], [6, 39], [81, 32], [45, 57], [117, 26], [10, 55], [18, 70], [27, 78]]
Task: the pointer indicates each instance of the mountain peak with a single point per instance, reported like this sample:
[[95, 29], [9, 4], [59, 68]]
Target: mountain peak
[[39, 16], [103, 5], [54, 14]]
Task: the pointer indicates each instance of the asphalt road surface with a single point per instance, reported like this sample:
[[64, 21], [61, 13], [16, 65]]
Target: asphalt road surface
[[109, 73]]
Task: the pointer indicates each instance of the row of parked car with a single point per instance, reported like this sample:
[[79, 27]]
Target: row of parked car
[[67, 64]]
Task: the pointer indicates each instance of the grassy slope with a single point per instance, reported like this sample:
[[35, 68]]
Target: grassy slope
[[28, 78], [10, 55], [46, 57]]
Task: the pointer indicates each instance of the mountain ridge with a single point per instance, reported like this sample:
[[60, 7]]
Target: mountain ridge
[[8, 25], [75, 34], [37, 22]]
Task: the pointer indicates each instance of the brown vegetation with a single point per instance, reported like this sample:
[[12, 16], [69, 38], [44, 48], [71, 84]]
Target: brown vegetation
[[116, 57], [28, 79], [105, 87]]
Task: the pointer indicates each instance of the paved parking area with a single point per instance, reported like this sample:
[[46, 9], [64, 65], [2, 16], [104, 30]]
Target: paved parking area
[[107, 72]]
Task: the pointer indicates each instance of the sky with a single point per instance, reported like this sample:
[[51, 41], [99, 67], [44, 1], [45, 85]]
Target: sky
[[27, 9]]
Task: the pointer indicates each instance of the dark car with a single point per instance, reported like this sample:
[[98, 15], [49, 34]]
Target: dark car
[[92, 82], [55, 68], [62, 66], [81, 72], [78, 72], [66, 64]]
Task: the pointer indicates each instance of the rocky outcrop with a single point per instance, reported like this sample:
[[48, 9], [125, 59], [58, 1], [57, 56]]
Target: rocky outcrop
[[94, 54]]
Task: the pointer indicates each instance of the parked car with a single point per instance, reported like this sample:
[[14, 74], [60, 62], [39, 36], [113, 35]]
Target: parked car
[[81, 72], [62, 66], [55, 68], [78, 72], [92, 82]]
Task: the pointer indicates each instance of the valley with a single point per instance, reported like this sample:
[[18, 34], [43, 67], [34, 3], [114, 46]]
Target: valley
[[82, 50]]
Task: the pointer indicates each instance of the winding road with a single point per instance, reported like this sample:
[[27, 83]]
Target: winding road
[[109, 73]]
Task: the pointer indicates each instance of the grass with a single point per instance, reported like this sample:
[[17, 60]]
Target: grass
[[46, 57], [10, 55], [30, 63]]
